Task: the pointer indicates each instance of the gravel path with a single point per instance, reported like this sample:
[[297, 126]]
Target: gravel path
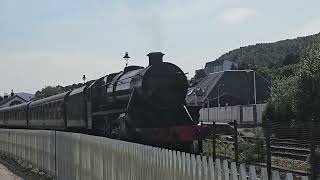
[[6, 174], [19, 170]]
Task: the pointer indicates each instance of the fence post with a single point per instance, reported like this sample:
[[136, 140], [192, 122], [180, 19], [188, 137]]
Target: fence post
[[213, 134], [236, 145], [268, 148], [312, 151], [200, 148]]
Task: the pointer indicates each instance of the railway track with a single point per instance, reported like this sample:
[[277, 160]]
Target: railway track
[[286, 148], [290, 148]]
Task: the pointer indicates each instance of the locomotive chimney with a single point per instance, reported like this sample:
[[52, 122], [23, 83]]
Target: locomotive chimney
[[155, 58]]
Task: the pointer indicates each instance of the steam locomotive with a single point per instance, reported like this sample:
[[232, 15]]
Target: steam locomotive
[[137, 104]]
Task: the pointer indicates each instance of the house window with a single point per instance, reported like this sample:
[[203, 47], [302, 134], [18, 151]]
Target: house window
[[15, 103]]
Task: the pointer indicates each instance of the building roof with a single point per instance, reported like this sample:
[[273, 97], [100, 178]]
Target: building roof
[[11, 98], [232, 87], [25, 96]]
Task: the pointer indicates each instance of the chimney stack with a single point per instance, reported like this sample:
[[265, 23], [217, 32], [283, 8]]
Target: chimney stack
[[155, 58], [12, 94], [5, 96]]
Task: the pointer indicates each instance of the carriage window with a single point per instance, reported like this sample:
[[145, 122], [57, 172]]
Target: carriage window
[[17, 114], [37, 113], [54, 110], [45, 111], [50, 111], [42, 112], [33, 114]]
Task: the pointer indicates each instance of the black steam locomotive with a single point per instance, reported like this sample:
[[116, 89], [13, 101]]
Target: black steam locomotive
[[136, 104]]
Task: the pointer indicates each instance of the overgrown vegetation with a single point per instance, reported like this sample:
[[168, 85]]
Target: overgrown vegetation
[[250, 151], [297, 96], [281, 53]]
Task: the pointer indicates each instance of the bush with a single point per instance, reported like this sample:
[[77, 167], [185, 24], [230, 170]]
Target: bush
[[224, 149], [253, 150]]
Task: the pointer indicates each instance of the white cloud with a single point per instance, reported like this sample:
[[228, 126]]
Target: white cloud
[[310, 27], [236, 15]]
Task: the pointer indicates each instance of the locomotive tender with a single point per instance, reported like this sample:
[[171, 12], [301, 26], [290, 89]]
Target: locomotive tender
[[137, 104]]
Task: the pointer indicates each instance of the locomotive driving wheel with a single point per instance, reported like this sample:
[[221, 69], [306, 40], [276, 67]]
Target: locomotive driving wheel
[[118, 129]]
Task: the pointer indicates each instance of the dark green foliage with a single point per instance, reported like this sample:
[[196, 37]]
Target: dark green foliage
[[307, 96], [47, 91], [270, 55], [283, 89], [200, 74], [252, 151], [316, 158], [224, 149], [50, 90], [291, 59], [242, 66], [268, 113], [296, 90]]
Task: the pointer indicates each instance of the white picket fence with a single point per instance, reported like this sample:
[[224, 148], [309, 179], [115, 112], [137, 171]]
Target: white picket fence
[[78, 156]]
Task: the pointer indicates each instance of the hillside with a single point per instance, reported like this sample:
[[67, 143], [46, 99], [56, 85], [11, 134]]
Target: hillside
[[271, 54]]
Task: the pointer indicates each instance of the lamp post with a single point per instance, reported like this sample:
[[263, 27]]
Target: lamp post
[[201, 92], [208, 106], [254, 85], [126, 57], [84, 78], [219, 93]]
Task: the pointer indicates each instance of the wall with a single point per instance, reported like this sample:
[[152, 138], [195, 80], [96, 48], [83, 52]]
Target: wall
[[244, 114]]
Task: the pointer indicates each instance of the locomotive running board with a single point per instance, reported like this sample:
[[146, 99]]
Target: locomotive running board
[[110, 112]]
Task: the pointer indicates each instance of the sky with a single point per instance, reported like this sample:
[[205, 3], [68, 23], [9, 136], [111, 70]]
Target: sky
[[46, 42]]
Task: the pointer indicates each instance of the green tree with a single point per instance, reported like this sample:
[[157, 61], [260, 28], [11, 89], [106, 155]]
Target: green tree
[[200, 74], [47, 91], [280, 104], [307, 96], [296, 90], [291, 59]]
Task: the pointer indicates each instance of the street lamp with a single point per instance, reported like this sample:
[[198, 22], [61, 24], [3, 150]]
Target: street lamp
[[201, 92], [208, 106], [126, 58], [219, 93], [254, 85], [255, 88], [84, 78]]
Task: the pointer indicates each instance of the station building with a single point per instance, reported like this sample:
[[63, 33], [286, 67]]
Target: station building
[[230, 88], [14, 99]]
